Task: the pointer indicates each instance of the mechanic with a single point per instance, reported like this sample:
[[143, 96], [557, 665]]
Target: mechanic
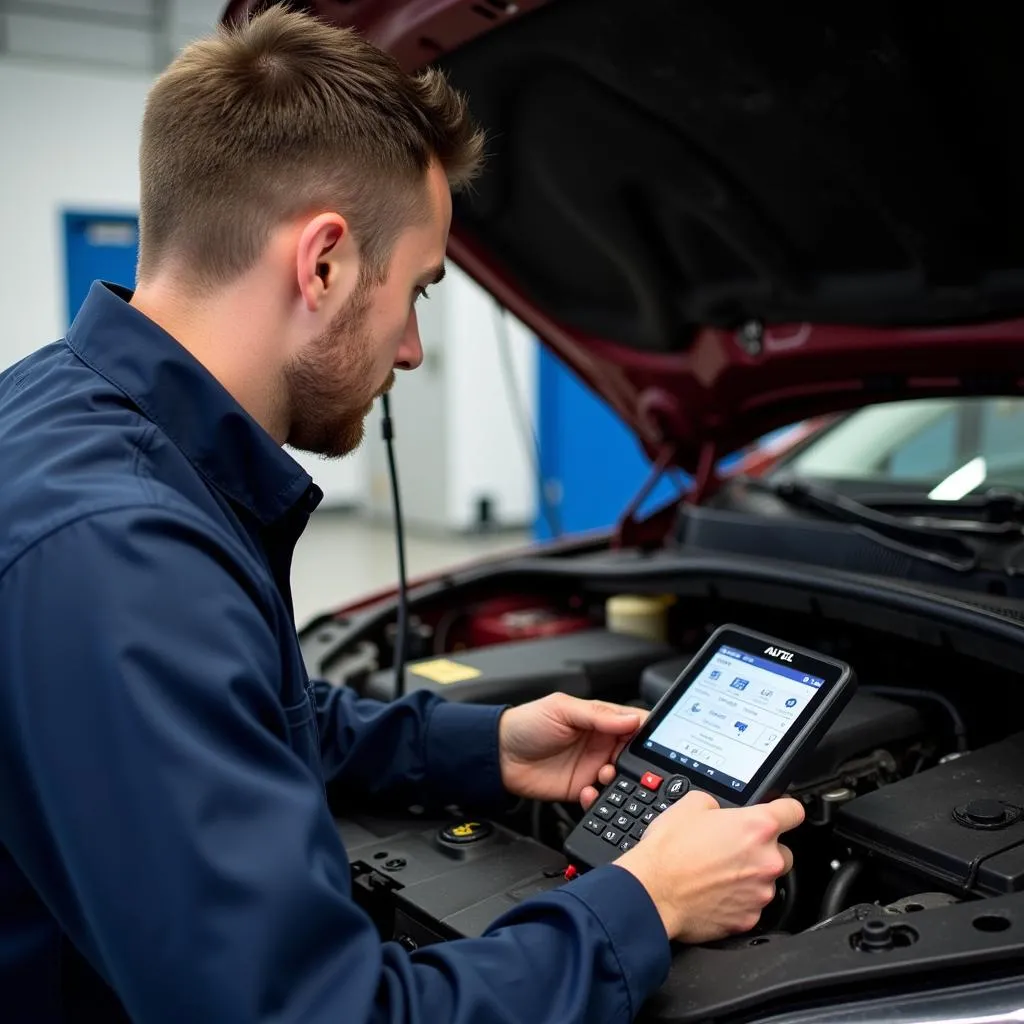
[[167, 852]]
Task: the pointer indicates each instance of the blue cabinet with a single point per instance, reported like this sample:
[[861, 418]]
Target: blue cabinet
[[98, 247], [591, 463]]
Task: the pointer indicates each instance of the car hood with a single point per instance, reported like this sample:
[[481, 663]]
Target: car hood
[[724, 219]]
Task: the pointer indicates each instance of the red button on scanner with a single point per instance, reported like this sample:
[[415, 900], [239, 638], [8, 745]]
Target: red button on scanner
[[651, 781]]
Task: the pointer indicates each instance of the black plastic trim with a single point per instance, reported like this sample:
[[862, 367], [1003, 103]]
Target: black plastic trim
[[814, 968]]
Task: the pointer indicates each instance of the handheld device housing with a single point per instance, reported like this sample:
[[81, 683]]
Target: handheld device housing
[[735, 724]]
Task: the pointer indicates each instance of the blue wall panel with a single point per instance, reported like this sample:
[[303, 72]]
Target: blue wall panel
[[97, 247], [588, 457]]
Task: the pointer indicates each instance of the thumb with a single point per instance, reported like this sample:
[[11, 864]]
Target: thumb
[[601, 716]]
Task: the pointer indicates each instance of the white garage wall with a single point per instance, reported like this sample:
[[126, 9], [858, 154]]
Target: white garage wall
[[68, 139], [490, 447]]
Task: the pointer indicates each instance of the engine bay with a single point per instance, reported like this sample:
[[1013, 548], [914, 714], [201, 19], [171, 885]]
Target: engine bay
[[911, 857]]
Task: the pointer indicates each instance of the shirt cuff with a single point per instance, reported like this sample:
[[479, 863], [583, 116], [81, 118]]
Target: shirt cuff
[[633, 926], [462, 756]]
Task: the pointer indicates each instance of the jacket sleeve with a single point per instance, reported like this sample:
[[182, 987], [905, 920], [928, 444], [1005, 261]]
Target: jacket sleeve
[[419, 749], [149, 793]]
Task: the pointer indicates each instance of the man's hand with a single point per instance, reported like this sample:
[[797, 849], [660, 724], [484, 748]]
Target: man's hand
[[554, 748], [710, 870]]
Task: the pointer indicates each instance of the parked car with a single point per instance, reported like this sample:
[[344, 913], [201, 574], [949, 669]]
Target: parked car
[[726, 221], [944, 449]]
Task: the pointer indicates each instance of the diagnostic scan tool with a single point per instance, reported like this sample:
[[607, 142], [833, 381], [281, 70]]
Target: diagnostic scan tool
[[734, 724]]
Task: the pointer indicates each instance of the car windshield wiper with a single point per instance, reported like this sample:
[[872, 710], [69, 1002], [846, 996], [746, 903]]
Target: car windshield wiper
[[928, 539], [996, 513]]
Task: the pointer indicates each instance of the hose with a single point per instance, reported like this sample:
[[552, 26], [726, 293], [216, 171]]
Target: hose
[[563, 815], [959, 729], [789, 889], [838, 891]]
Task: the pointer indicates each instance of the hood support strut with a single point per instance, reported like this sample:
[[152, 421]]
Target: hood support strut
[[707, 480], [631, 531]]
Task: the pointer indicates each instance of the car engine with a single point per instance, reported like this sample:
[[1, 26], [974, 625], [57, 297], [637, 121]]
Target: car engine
[[901, 817], [914, 797]]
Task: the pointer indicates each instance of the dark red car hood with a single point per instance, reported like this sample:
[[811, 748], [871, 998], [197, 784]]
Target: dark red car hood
[[726, 218]]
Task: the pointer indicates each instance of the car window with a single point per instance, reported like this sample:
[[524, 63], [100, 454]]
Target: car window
[[958, 445]]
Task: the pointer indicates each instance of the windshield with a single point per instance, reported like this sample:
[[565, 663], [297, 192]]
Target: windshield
[[945, 448]]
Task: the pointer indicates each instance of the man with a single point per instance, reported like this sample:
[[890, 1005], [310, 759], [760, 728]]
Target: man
[[166, 849]]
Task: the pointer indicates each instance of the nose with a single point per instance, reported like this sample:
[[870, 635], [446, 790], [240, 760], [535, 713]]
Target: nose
[[410, 352]]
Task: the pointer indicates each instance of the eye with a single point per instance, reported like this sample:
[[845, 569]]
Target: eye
[[421, 293]]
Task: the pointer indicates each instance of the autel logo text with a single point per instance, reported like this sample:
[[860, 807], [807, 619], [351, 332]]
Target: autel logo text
[[778, 652]]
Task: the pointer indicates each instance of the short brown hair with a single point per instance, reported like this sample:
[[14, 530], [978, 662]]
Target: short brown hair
[[284, 115]]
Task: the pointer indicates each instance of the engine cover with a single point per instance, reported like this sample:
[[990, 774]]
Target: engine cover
[[591, 663], [426, 881], [960, 825]]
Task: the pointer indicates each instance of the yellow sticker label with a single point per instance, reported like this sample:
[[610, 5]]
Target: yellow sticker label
[[445, 671], [465, 830]]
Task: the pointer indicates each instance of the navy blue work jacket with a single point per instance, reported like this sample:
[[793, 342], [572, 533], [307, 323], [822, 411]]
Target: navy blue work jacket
[[167, 854]]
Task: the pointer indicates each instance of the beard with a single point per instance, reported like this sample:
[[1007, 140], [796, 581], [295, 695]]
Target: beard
[[330, 385]]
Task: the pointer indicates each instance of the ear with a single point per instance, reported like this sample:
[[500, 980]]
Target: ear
[[327, 262]]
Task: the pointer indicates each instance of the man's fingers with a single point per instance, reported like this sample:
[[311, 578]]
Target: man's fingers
[[787, 858], [698, 798], [606, 776], [788, 813], [601, 716]]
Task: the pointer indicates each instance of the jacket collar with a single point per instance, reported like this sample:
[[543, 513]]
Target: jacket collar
[[177, 393]]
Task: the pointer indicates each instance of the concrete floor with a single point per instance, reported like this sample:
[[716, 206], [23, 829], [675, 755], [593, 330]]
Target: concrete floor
[[343, 556]]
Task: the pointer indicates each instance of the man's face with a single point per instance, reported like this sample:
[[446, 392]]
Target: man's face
[[335, 380]]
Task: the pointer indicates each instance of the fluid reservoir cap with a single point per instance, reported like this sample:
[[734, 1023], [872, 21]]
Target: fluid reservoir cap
[[460, 833], [986, 814], [644, 615], [876, 934]]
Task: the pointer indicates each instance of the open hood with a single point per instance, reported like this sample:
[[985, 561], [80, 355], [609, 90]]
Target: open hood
[[729, 218]]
